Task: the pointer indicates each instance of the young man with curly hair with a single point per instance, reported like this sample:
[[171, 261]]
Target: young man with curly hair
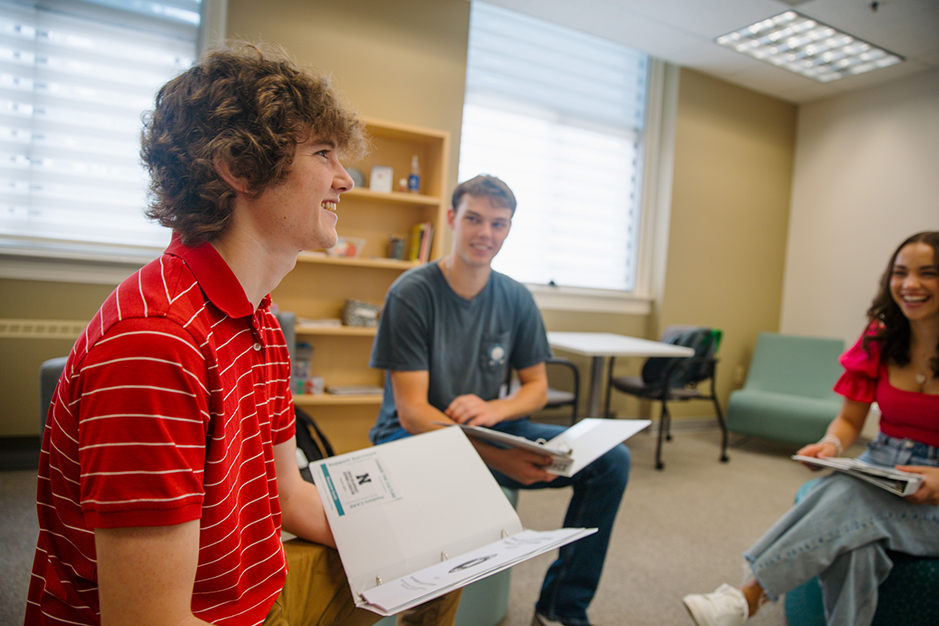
[[168, 466]]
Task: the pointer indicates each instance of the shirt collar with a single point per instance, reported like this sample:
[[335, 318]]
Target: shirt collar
[[215, 278]]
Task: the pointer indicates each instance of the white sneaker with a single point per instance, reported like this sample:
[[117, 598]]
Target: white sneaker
[[725, 607], [541, 620]]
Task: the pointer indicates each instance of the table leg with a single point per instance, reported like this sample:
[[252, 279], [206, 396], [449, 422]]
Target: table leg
[[596, 376]]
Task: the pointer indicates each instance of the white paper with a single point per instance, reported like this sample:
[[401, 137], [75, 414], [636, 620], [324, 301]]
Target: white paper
[[397, 595], [357, 482]]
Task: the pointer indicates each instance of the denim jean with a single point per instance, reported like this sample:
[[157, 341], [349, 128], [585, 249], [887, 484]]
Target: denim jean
[[571, 581], [841, 531]]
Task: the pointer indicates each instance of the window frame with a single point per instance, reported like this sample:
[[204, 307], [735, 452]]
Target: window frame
[[35, 259], [654, 159], [657, 156]]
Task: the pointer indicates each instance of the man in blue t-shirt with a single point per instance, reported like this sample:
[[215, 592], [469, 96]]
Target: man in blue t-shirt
[[447, 334]]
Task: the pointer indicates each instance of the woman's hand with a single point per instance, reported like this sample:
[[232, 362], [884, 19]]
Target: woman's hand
[[928, 493], [819, 450]]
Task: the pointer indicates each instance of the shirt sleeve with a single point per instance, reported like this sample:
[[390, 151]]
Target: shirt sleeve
[[143, 415], [404, 332], [531, 344], [862, 370]]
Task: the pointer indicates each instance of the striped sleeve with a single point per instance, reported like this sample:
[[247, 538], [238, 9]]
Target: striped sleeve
[[143, 417]]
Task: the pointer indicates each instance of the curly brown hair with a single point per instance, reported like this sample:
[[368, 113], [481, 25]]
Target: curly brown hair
[[248, 107], [892, 328]]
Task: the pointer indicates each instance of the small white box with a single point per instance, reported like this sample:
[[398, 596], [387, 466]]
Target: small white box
[[381, 178]]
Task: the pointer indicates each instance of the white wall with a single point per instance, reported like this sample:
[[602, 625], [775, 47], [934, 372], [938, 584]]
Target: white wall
[[866, 177]]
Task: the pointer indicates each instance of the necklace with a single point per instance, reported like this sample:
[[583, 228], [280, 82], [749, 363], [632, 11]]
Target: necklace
[[921, 379]]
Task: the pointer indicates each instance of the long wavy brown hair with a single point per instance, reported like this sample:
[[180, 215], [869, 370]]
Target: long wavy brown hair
[[248, 106], [892, 328]]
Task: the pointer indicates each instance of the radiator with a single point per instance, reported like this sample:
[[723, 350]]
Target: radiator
[[41, 329]]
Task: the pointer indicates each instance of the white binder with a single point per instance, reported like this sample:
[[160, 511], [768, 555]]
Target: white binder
[[418, 517], [573, 449]]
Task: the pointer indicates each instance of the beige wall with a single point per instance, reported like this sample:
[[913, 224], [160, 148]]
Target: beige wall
[[400, 60], [19, 367], [730, 209], [404, 60], [865, 179]]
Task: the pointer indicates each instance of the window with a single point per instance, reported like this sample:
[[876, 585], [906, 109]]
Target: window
[[75, 78], [563, 126]]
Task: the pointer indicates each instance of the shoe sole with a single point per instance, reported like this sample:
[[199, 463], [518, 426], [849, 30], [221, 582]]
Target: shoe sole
[[691, 612]]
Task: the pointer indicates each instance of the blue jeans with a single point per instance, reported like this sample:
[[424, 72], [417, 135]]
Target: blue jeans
[[841, 531], [571, 581]]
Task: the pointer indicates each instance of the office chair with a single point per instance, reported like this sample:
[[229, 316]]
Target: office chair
[[49, 373], [676, 379], [557, 397]]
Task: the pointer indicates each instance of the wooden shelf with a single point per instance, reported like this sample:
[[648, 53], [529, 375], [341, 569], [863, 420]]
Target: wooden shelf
[[392, 197], [390, 264], [338, 331], [326, 399]]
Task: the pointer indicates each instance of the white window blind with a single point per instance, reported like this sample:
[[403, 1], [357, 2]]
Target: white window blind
[[558, 115], [75, 78]]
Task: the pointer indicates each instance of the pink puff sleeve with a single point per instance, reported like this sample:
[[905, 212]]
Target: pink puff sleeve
[[861, 371]]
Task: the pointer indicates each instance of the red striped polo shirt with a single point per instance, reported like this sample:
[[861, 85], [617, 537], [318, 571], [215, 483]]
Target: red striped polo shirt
[[167, 412]]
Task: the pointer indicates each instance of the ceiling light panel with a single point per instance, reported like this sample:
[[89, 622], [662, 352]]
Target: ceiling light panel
[[807, 47]]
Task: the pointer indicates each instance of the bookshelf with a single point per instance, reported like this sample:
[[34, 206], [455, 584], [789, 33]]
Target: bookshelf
[[319, 285]]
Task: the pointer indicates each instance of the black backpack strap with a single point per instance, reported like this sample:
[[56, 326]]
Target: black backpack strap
[[307, 419], [313, 448]]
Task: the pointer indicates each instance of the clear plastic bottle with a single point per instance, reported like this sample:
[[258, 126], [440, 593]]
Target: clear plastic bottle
[[414, 180]]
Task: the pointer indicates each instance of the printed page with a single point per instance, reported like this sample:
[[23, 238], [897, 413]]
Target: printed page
[[397, 595]]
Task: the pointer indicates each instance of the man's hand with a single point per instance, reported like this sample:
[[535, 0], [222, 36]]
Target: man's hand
[[523, 466], [471, 410], [928, 493]]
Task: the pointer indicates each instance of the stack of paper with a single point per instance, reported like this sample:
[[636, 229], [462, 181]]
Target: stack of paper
[[893, 480], [416, 518]]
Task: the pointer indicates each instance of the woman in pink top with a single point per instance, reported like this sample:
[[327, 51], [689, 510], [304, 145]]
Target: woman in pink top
[[842, 529]]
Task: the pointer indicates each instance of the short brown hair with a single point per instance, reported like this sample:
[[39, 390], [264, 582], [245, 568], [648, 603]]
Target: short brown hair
[[248, 107], [485, 186]]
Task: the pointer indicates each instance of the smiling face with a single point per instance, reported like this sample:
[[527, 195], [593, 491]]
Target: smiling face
[[479, 229], [300, 212], [914, 282]]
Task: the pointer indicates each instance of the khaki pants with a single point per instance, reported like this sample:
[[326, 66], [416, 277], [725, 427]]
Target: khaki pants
[[317, 594]]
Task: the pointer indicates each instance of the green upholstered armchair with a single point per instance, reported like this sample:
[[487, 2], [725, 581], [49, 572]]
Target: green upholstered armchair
[[788, 393]]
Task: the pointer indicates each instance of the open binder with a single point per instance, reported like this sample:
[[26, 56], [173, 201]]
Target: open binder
[[418, 517], [893, 480], [573, 449]]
